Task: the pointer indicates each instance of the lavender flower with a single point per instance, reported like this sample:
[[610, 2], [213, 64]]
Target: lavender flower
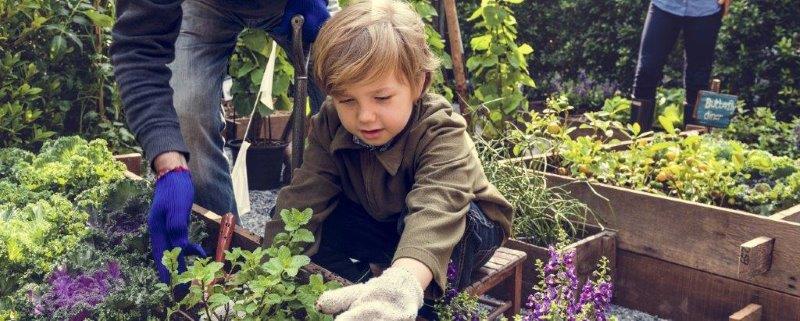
[[557, 293]]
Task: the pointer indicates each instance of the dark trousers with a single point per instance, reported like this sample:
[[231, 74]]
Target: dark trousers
[[351, 233], [660, 32]]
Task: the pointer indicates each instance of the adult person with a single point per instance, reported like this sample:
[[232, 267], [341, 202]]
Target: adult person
[[169, 60], [699, 21]]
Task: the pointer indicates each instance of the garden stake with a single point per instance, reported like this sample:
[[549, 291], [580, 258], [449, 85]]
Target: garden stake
[[297, 124], [456, 52]]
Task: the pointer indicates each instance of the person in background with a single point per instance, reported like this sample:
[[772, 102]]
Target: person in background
[[698, 21], [392, 176], [169, 59]]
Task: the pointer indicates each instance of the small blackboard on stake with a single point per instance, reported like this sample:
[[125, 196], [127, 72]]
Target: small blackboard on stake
[[714, 109]]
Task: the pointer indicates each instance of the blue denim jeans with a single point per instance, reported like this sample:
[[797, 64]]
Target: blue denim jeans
[[209, 30], [661, 30], [350, 232]]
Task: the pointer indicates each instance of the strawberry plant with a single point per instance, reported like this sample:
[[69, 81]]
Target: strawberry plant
[[265, 283]]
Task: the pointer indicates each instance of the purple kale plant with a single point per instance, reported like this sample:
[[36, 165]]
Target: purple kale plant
[[75, 294], [558, 297]]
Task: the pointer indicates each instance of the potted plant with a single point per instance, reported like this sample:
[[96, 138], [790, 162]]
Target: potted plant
[[265, 157]]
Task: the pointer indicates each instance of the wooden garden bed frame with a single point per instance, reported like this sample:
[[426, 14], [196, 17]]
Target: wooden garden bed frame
[[691, 261]]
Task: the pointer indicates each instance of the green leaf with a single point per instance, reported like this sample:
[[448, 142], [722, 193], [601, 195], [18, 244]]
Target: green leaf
[[218, 299], [303, 235], [57, 46], [525, 49], [99, 19], [481, 42]]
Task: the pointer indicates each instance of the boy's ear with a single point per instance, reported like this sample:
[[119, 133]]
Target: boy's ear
[[426, 82]]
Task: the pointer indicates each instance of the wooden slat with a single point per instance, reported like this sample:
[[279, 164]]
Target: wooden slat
[[132, 161], [755, 256], [789, 214], [677, 292], [699, 236], [752, 312]]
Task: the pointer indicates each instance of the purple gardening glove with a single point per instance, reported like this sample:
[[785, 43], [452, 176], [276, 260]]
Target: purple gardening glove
[[168, 221], [315, 13]]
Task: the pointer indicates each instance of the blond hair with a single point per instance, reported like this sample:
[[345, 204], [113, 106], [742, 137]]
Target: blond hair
[[368, 40]]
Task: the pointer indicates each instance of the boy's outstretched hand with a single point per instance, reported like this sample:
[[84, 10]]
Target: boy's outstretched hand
[[395, 295]]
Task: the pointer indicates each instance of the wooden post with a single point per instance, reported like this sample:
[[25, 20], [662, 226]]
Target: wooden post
[[755, 256], [752, 312], [457, 54], [715, 85]]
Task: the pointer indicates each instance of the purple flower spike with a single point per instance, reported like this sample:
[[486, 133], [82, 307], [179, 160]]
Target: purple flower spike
[[558, 297]]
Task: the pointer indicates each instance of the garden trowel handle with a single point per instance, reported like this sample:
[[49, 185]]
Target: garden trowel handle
[[300, 92]]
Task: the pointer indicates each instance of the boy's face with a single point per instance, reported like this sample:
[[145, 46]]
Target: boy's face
[[376, 112]]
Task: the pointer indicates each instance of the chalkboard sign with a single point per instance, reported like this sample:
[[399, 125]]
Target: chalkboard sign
[[714, 109]]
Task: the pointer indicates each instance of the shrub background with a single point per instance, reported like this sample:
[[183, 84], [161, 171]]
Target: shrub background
[[757, 55]]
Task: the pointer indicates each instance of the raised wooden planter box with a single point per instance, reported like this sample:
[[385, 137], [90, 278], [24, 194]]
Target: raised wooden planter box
[[714, 256], [235, 128], [588, 252]]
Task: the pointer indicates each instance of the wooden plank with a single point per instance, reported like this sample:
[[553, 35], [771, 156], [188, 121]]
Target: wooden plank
[[752, 312], [789, 214], [677, 292], [588, 252], [132, 161], [699, 236], [755, 256]]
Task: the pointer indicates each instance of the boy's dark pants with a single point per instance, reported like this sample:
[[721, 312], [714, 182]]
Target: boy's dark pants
[[350, 232], [660, 32]]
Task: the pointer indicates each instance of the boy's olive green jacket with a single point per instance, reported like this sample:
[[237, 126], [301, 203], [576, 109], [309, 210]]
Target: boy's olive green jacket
[[431, 172]]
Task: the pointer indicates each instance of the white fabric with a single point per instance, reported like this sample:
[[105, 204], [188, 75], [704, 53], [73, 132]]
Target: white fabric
[[241, 190]]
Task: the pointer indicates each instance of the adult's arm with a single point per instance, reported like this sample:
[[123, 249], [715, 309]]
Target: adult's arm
[[143, 44]]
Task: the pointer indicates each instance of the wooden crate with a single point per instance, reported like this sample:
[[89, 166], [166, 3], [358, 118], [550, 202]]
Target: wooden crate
[[588, 252]]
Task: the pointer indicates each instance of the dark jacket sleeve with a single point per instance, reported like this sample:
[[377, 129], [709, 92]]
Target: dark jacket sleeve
[[143, 44]]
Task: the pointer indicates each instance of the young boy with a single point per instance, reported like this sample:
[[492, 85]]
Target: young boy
[[391, 174]]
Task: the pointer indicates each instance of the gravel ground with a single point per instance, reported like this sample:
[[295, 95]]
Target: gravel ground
[[625, 314], [262, 201]]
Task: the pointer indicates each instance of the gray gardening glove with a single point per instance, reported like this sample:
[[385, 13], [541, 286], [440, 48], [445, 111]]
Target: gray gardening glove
[[395, 295]]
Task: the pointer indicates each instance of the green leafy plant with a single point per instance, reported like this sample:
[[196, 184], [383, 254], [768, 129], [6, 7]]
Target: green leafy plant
[[436, 43], [72, 249], [259, 284], [498, 66], [57, 74], [246, 67], [760, 129], [704, 169], [69, 166], [757, 50]]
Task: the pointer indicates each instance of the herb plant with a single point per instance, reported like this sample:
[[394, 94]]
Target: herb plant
[[259, 284]]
